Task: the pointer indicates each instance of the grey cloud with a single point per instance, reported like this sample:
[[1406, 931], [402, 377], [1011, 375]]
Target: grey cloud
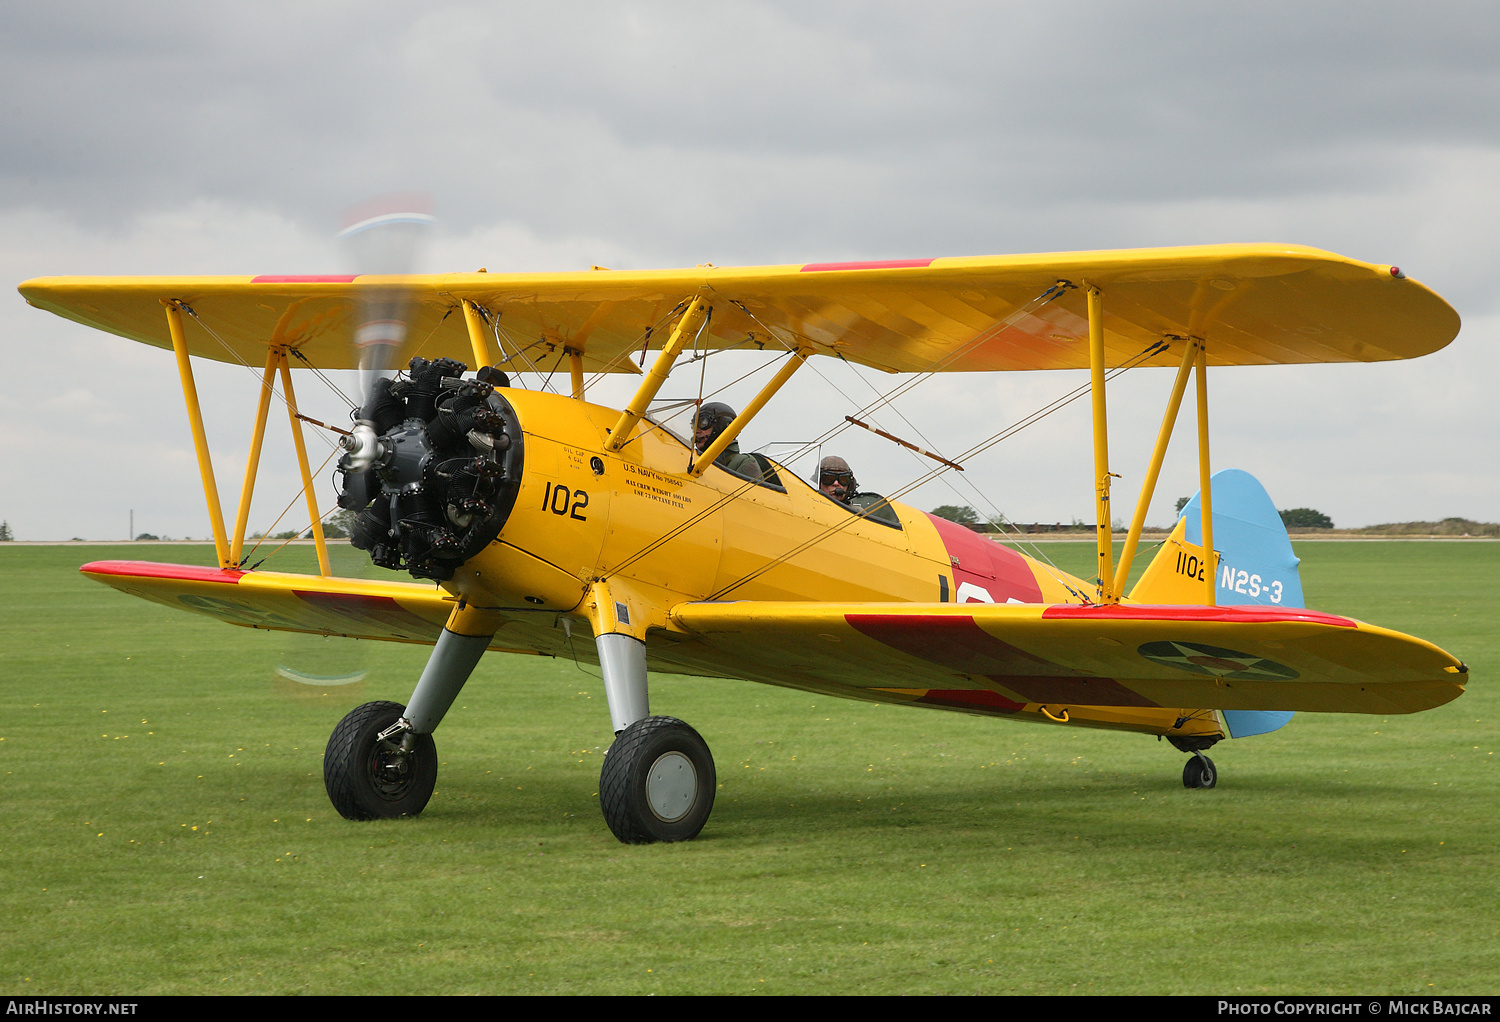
[[505, 112], [175, 137]]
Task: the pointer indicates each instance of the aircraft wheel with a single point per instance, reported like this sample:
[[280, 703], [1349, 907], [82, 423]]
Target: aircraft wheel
[[369, 779], [1199, 772], [657, 783]]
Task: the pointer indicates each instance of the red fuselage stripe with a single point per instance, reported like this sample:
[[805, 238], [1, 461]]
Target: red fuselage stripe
[[984, 565]]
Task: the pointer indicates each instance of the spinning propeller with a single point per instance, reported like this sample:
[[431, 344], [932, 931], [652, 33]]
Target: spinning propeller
[[383, 238], [433, 464]]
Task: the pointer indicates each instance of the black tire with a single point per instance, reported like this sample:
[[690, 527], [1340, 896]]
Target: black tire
[[1200, 772], [658, 782], [370, 780]]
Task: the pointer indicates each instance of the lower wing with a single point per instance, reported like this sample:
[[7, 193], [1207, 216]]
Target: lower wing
[[986, 658], [1015, 656], [399, 611]]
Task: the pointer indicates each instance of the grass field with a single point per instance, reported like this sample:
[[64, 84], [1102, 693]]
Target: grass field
[[167, 831]]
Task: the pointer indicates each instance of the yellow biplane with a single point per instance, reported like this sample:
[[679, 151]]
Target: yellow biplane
[[527, 516]]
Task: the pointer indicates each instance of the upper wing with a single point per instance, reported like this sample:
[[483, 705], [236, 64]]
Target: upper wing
[[1256, 304], [1222, 658]]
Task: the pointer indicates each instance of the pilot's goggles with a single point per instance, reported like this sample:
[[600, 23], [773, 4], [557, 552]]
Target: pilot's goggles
[[847, 478]]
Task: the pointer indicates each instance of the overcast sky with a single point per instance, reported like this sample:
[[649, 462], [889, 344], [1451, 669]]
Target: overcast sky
[[200, 138]]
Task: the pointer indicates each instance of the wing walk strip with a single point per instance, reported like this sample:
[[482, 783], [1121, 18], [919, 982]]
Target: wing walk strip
[[960, 645]]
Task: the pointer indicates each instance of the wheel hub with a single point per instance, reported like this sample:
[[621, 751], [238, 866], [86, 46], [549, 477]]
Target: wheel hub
[[671, 787], [391, 770]]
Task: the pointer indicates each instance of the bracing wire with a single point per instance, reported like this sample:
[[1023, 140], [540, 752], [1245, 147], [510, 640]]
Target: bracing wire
[[938, 365], [933, 473], [300, 357], [996, 517], [290, 504], [675, 406], [645, 343], [259, 379], [984, 336], [520, 353]]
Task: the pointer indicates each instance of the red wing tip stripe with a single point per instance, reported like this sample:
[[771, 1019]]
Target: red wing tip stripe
[[152, 569], [1245, 614], [295, 278], [887, 264]]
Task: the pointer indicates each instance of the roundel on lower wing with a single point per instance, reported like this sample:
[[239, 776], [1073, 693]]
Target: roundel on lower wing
[[1215, 661]]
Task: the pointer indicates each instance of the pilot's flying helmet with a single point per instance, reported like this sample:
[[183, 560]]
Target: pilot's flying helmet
[[714, 418], [835, 469]]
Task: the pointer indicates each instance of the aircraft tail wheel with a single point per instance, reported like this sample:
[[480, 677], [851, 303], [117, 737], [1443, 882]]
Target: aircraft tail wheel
[[1200, 773], [657, 783], [369, 779]]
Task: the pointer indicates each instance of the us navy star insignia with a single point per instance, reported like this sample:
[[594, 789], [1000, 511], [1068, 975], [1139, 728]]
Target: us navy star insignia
[[1214, 661]]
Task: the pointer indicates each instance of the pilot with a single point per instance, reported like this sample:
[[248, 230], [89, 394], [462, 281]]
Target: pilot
[[713, 419], [836, 480]]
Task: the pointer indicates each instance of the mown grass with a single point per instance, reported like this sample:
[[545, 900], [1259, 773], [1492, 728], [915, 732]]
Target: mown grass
[[167, 831]]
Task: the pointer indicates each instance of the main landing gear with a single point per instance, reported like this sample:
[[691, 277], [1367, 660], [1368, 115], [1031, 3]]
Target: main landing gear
[[658, 780], [1199, 772], [374, 769], [381, 761]]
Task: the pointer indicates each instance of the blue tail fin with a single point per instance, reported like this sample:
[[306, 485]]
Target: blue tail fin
[[1256, 565]]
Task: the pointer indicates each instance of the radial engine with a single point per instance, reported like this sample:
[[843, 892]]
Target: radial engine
[[433, 468]]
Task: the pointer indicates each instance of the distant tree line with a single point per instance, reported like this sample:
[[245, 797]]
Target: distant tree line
[[1294, 518], [1446, 527], [954, 513], [969, 518], [1305, 518]]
